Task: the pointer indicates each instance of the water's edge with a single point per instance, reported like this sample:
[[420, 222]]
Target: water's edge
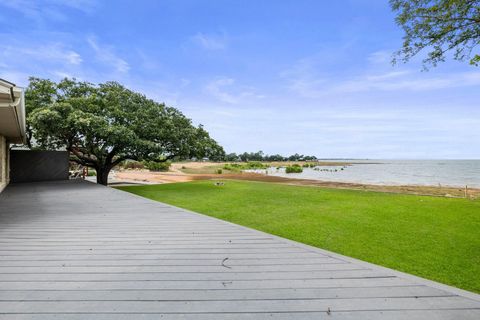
[[452, 173]]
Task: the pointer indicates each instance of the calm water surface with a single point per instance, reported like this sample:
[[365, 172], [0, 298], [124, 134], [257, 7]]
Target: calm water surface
[[395, 172]]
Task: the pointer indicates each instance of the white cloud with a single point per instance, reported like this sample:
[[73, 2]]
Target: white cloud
[[387, 75], [184, 82], [40, 11], [393, 81], [86, 6], [380, 57], [216, 89], [147, 61], [308, 80], [210, 41], [226, 90], [54, 52], [106, 55]]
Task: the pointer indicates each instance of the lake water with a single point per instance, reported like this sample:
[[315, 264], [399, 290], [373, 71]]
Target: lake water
[[394, 172]]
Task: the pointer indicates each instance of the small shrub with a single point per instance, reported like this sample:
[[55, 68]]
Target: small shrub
[[232, 167], [294, 169], [256, 165], [251, 165], [219, 171], [133, 165], [310, 165], [157, 166]]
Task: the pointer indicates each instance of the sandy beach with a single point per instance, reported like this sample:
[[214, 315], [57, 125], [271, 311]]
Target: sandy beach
[[191, 171]]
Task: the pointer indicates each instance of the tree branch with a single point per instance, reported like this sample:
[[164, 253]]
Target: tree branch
[[87, 161]]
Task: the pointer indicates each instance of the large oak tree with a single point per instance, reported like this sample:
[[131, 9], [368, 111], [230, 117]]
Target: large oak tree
[[103, 125]]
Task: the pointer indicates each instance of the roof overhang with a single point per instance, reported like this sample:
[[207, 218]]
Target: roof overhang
[[12, 112]]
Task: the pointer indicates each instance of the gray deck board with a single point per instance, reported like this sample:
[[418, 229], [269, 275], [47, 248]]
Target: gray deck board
[[76, 251]]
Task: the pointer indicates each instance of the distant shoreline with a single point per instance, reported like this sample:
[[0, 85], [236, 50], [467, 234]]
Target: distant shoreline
[[199, 171], [422, 173]]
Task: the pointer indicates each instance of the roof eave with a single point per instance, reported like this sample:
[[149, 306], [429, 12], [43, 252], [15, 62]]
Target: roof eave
[[13, 116]]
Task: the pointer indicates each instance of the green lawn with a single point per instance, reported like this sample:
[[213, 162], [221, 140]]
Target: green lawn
[[435, 238]]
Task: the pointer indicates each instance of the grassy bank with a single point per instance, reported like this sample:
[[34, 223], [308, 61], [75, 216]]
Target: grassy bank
[[432, 237]]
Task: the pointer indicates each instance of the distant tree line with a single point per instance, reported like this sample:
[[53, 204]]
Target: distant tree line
[[260, 156]]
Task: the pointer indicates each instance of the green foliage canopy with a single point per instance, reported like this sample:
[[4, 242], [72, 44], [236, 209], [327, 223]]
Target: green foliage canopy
[[439, 26], [104, 125]]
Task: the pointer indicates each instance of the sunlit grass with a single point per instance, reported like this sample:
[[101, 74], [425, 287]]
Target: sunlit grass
[[432, 237]]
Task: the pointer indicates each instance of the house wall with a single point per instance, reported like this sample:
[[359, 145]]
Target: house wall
[[4, 163]]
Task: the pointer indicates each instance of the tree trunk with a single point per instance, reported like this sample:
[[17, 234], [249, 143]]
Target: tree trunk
[[29, 137], [102, 175]]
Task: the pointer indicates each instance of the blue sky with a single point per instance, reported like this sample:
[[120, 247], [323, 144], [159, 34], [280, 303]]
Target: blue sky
[[288, 76]]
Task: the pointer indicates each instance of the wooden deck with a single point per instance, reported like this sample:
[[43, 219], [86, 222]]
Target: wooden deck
[[75, 250]]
